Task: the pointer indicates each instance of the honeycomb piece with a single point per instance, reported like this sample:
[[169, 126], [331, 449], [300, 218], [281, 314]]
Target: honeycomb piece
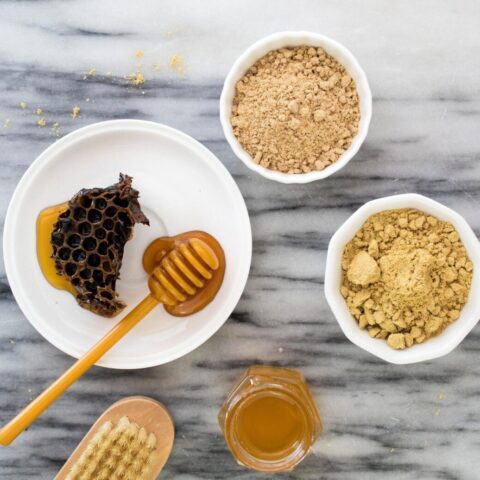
[[88, 242]]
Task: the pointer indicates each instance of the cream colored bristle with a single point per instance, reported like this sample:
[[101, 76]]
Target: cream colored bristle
[[120, 452], [142, 436], [151, 441]]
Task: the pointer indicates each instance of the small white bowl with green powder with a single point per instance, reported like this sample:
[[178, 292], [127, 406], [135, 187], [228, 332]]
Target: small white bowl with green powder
[[400, 277]]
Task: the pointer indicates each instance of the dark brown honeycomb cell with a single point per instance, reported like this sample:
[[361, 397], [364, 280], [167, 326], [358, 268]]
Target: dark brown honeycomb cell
[[84, 228], [86, 202], [94, 216], [97, 277], [74, 240], [100, 233], [124, 218], [93, 260], [86, 273], [88, 242], [79, 255], [120, 202], [100, 203], [58, 239], [108, 224], [70, 269], [102, 248], [79, 213], [64, 253], [111, 211]]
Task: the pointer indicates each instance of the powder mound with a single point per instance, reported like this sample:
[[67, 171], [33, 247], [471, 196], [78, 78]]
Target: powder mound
[[407, 275], [88, 241]]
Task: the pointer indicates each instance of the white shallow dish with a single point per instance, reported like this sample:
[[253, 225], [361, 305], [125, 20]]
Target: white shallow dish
[[294, 39], [182, 185], [434, 347]]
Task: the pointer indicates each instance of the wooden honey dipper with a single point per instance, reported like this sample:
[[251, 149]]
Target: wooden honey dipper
[[186, 272]]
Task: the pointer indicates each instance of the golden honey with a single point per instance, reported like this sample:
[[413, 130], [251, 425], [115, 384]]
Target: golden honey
[[45, 222], [191, 265], [270, 419]]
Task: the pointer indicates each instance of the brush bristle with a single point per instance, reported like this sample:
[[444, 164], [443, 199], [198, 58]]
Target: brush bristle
[[120, 452]]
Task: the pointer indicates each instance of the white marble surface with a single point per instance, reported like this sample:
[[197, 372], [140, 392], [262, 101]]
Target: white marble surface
[[381, 421]]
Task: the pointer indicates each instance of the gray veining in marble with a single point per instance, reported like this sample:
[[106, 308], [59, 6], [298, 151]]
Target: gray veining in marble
[[381, 421]]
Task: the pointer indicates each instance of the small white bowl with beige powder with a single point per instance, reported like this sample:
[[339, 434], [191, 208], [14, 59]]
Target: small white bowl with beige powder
[[444, 258], [296, 107]]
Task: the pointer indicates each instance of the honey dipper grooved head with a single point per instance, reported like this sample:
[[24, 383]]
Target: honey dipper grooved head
[[186, 271]]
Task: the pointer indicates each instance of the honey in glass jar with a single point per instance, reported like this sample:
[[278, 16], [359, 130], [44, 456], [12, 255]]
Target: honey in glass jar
[[270, 419]]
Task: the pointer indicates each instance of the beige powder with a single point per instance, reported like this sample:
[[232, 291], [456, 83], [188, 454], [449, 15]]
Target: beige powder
[[75, 112], [136, 78], [406, 276], [295, 110], [176, 63]]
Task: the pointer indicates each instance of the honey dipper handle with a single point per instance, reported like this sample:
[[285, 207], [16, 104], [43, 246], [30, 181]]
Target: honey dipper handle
[[32, 411]]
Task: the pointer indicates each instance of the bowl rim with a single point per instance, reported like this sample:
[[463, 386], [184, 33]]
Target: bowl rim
[[280, 40], [443, 343], [28, 309]]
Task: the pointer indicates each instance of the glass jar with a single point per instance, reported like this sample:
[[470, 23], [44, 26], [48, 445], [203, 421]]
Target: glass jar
[[270, 419]]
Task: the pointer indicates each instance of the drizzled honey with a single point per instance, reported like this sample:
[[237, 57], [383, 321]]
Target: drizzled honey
[[45, 222], [270, 419]]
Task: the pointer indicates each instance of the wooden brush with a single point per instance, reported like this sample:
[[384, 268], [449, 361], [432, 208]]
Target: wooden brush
[[131, 440]]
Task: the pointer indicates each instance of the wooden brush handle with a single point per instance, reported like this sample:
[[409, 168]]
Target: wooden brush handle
[[32, 411]]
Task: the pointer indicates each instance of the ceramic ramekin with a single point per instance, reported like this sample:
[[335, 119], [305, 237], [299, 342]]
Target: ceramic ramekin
[[434, 347], [293, 39]]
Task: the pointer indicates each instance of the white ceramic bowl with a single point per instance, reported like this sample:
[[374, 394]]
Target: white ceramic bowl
[[293, 39], [434, 347], [182, 185]]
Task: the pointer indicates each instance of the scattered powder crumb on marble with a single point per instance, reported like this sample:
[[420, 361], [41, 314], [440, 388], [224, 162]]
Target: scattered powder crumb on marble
[[156, 66], [392, 450], [75, 111], [108, 74], [7, 123], [23, 105], [139, 54], [87, 99], [12, 341], [437, 412], [38, 111], [41, 122], [441, 396], [91, 73], [56, 129], [176, 63], [136, 78]]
